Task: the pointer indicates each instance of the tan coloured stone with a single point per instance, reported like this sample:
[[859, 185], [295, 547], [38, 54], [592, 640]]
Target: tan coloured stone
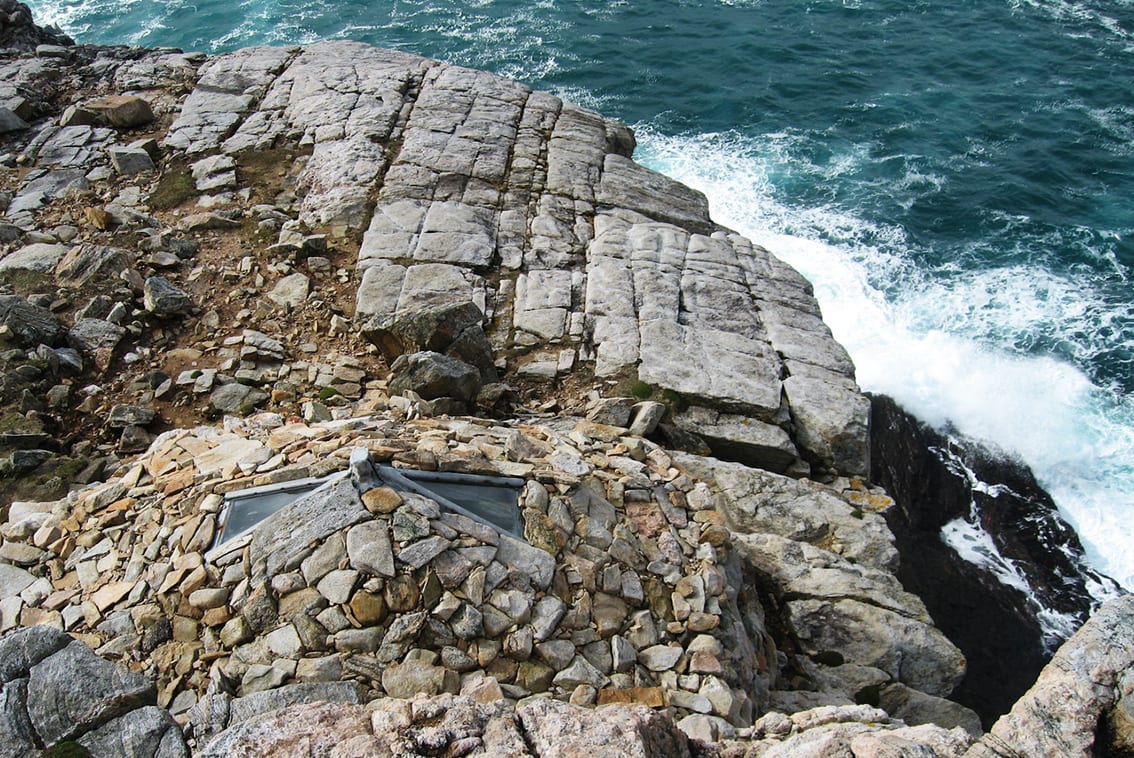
[[654, 697], [108, 595], [381, 500]]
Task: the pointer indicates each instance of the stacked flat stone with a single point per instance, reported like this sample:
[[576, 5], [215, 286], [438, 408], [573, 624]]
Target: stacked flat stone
[[626, 587]]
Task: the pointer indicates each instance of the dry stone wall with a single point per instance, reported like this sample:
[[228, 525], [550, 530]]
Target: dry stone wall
[[626, 587]]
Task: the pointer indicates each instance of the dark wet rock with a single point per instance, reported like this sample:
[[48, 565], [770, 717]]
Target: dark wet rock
[[995, 625], [19, 31]]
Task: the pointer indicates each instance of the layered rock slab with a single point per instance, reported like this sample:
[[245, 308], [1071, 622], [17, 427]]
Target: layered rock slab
[[474, 191]]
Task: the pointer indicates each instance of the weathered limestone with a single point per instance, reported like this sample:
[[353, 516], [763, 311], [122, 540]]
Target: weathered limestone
[[1083, 683]]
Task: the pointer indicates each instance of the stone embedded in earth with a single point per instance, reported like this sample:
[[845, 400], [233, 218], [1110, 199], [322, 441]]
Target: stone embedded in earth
[[291, 291], [122, 111], [164, 299], [236, 398], [217, 172], [130, 415], [432, 375], [128, 161], [41, 256], [30, 324], [10, 122]]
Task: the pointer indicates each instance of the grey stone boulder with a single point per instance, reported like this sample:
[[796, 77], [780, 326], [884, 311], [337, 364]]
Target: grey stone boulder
[[164, 299], [911, 650], [121, 111], [73, 691], [433, 375], [90, 335], [41, 256], [405, 680], [425, 307], [130, 415], [281, 541], [235, 398], [290, 291], [368, 547], [10, 122], [15, 726], [217, 172], [23, 648], [625, 184], [740, 438], [800, 569], [916, 708], [147, 731], [85, 261], [832, 423], [761, 501], [128, 161], [29, 324]]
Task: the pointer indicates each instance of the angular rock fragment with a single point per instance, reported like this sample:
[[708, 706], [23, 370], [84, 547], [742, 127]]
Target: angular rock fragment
[[121, 111], [74, 690], [432, 375], [164, 299], [29, 324]]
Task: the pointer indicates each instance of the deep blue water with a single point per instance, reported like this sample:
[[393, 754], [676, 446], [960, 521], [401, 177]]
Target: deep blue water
[[956, 176]]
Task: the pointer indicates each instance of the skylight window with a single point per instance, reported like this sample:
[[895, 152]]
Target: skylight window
[[244, 509], [493, 500]]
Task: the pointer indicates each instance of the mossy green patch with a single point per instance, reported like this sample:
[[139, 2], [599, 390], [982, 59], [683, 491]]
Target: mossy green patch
[[175, 187]]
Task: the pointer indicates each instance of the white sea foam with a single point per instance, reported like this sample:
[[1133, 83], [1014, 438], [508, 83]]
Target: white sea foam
[[918, 345]]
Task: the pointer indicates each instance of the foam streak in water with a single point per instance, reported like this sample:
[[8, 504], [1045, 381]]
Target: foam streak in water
[[1077, 437]]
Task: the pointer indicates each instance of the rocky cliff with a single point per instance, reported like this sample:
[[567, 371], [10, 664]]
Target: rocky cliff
[[313, 270]]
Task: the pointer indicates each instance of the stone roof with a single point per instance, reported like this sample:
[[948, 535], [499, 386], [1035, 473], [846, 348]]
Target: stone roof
[[627, 586]]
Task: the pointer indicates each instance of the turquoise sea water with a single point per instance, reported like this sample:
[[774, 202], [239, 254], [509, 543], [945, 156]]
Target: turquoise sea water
[[956, 177]]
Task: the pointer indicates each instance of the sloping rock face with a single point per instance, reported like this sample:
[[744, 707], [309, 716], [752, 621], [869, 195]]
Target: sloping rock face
[[1080, 704], [511, 231]]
